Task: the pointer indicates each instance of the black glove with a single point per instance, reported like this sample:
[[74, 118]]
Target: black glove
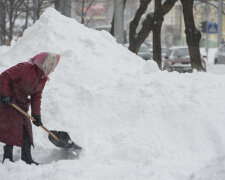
[[37, 121], [6, 100]]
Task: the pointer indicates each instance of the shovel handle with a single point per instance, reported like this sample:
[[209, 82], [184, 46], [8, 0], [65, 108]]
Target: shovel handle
[[31, 118]]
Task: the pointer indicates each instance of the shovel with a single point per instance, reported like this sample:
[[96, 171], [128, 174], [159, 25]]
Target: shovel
[[58, 138]]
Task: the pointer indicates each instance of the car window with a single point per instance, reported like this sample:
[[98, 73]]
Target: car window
[[168, 53], [181, 52]]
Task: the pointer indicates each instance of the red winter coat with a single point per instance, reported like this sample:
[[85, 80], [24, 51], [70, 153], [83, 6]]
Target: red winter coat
[[24, 84]]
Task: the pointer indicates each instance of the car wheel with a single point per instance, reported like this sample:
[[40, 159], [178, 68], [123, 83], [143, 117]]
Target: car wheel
[[215, 61]]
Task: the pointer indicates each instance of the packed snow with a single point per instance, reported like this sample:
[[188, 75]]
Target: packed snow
[[133, 121]]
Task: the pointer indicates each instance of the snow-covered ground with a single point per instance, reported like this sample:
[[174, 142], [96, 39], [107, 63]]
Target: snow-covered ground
[[134, 121]]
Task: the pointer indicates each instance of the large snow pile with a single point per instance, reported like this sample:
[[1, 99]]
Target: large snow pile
[[134, 121]]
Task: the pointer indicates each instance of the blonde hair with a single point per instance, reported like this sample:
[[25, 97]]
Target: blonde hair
[[50, 63]]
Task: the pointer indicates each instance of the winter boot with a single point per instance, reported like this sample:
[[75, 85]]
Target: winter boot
[[26, 155], [8, 153], [26, 148]]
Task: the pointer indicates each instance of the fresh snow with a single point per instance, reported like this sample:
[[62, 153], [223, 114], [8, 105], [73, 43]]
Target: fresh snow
[[133, 121]]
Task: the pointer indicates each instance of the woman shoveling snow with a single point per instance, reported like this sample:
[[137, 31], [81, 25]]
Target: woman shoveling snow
[[17, 84]]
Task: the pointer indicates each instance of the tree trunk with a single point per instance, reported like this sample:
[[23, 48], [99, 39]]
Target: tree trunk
[[57, 5], [82, 12], [136, 39], [157, 33], [112, 23], [133, 36], [27, 11], [2, 23], [193, 35], [38, 10], [112, 26], [11, 25]]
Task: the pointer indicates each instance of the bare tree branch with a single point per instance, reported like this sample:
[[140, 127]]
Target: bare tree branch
[[147, 26], [134, 24], [167, 5]]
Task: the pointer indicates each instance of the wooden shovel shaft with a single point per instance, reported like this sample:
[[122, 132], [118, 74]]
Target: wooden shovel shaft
[[31, 118]]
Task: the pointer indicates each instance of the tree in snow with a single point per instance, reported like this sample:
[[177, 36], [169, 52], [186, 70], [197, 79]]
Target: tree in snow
[[38, 6], [153, 22], [157, 21], [193, 35], [85, 10], [16, 16], [112, 27], [11, 10]]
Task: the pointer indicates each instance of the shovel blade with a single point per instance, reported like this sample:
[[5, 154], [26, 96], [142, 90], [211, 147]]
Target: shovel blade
[[64, 140]]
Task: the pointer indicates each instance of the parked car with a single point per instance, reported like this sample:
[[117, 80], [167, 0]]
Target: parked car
[[144, 52], [220, 55], [163, 52], [178, 59]]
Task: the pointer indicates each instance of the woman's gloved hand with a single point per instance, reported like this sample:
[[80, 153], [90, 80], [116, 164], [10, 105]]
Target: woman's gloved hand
[[6, 100], [37, 121]]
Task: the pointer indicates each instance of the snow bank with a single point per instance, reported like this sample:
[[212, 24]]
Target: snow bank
[[133, 121]]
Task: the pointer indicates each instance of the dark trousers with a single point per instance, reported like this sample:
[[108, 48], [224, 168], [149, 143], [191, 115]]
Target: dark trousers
[[26, 139]]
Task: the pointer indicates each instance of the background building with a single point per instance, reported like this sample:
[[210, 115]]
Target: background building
[[98, 14]]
